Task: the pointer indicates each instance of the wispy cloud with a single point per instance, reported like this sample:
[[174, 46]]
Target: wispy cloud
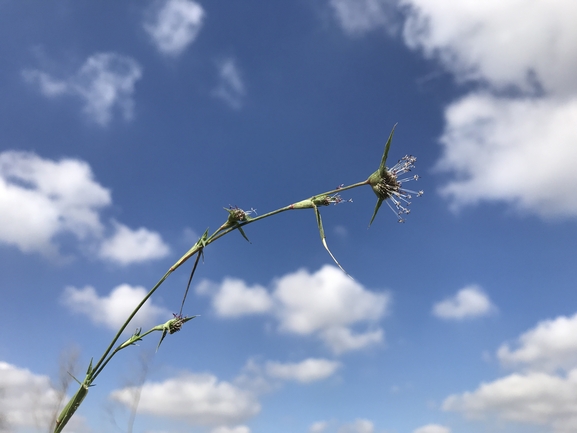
[[225, 429], [42, 199], [468, 302], [230, 88], [112, 310], [104, 82], [318, 427], [357, 17], [326, 304], [358, 426], [174, 24]]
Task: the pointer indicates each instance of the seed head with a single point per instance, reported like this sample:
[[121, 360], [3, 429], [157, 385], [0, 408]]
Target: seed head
[[388, 187]]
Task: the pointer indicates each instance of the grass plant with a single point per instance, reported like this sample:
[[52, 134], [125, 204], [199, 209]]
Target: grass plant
[[384, 182]]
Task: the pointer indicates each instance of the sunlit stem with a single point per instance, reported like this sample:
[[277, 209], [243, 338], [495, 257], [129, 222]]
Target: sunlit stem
[[108, 354]]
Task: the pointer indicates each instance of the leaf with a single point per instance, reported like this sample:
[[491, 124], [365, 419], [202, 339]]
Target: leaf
[[383, 167], [324, 240], [378, 205]]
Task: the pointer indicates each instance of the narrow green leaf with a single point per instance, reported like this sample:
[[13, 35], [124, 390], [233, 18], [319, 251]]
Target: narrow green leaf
[[324, 240], [383, 167], [379, 203], [243, 234]]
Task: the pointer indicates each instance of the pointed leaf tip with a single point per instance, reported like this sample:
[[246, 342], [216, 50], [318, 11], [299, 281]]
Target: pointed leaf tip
[[377, 206], [383, 166]]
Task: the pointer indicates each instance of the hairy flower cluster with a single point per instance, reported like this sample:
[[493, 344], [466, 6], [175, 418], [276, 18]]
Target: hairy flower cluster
[[328, 199], [236, 214], [175, 324], [389, 187]]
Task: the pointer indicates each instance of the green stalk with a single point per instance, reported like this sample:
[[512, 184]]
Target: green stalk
[[202, 243]]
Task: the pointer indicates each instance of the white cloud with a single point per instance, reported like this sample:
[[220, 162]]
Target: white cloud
[[359, 426], [309, 370], [233, 298], [357, 17], [499, 147], [503, 43], [432, 428], [318, 427], [467, 303], [326, 304], [174, 25], [541, 395], [104, 82], [230, 88], [551, 345], [112, 310], [237, 429], [41, 199], [342, 339], [533, 398], [515, 150], [28, 400], [199, 399], [129, 246]]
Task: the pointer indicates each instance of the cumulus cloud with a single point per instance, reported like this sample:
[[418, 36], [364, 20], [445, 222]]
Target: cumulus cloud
[[432, 428], [230, 88], [233, 298], [551, 345], [43, 199], [104, 82], [357, 17], [326, 304], [129, 246], [516, 150], [174, 24], [535, 41], [468, 302], [544, 394], [532, 398], [309, 370], [111, 311], [28, 400], [198, 399], [497, 146]]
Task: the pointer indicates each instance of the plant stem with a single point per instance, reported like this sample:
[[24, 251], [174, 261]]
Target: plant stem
[[109, 353]]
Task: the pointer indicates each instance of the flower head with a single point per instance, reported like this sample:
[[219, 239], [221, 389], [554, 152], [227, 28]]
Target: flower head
[[235, 214], [236, 217], [388, 187]]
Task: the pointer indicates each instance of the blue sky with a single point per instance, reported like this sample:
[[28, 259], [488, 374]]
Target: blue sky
[[127, 127]]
